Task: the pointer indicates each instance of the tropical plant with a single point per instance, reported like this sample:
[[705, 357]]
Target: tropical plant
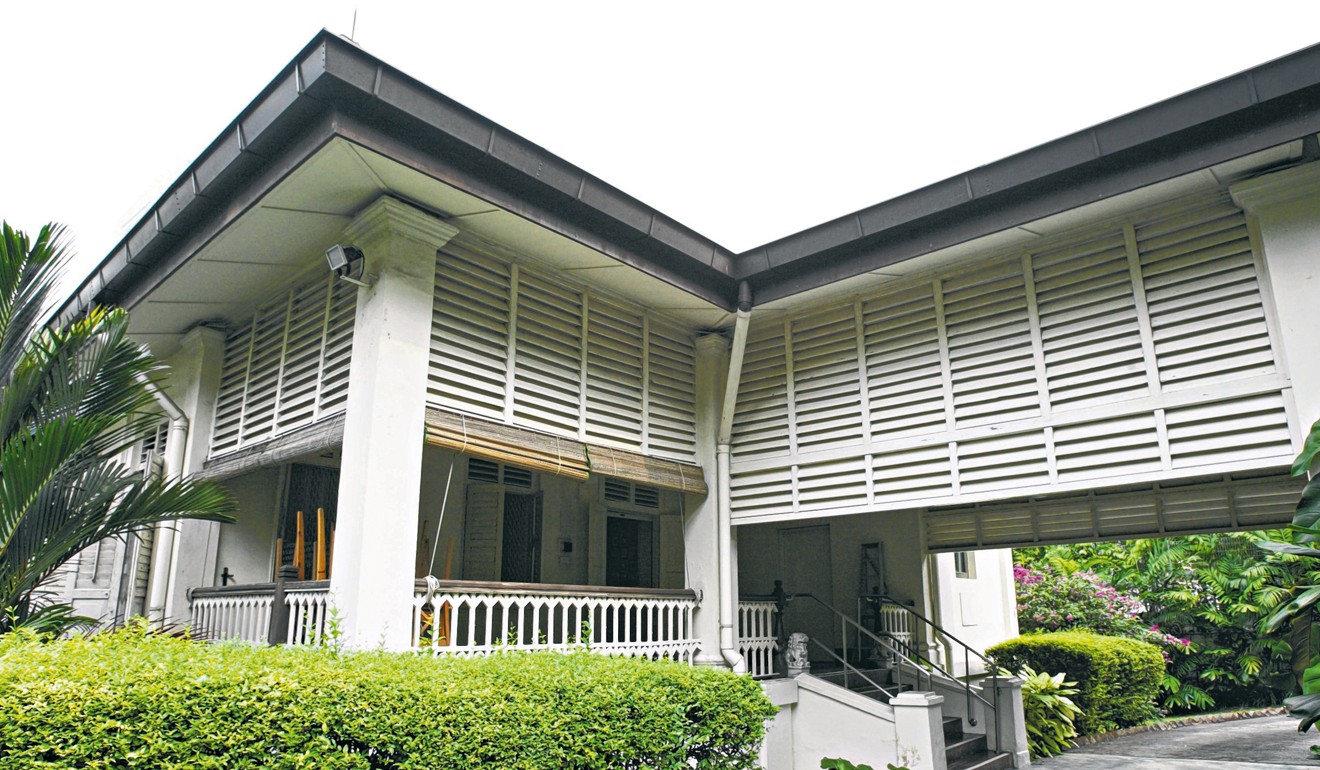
[[73, 399], [1209, 590], [1048, 711]]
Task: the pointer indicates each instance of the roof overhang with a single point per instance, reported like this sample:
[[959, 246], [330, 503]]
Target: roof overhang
[[333, 89]]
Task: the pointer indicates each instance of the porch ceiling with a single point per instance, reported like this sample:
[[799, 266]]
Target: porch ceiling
[[285, 234]]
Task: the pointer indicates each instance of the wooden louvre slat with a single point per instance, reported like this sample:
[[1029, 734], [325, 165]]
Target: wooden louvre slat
[[507, 444], [642, 469]]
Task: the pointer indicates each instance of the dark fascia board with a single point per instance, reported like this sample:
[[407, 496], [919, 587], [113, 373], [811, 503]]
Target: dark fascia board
[[332, 85], [1268, 105], [332, 82]]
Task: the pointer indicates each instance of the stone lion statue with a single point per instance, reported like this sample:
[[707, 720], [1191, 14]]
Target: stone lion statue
[[795, 653]]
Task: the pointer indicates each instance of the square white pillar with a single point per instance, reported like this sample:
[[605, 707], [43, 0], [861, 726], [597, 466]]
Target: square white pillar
[[380, 473]]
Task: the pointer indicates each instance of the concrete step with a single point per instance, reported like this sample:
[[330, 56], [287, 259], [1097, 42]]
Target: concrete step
[[952, 729], [965, 746], [982, 761]]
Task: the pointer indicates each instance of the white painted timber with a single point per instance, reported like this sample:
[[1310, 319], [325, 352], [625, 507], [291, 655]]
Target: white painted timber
[[1139, 351], [757, 638]]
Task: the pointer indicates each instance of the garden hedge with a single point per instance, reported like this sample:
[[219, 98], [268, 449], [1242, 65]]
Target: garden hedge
[[1118, 679], [133, 699]]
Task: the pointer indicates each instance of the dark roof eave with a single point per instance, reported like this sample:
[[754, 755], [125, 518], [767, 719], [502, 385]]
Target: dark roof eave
[[1266, 106], [333, 75]]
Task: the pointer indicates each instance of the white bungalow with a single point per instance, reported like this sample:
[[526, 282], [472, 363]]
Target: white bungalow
[[587, 423]]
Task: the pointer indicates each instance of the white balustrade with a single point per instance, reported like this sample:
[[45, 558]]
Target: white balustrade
[[242, 613], [480, 618], [757, 639], [896, 622], [238, 614]]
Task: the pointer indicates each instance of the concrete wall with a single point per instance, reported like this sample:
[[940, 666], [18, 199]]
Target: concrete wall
[[817, 720], [247, 547], [980, 610]]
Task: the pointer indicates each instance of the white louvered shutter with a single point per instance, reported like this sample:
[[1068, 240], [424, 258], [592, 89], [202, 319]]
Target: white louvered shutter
[[301, 370], [826, 380], [904, 379], [614, 375], [263, 373], [548, 361], [671, 392], [233, 385], [470, 335], [482, 531], [337, 350]]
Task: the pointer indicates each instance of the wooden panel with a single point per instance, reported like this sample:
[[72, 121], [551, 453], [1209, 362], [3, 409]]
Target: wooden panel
[[614, 375], [671, 413], [548, 357], [760, 423], [826, 380], [482, 519], [470, 335]]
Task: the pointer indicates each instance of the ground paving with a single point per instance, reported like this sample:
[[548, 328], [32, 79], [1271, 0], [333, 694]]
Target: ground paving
[[1264, 743]]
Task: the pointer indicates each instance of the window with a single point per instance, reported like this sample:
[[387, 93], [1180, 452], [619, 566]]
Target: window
[[964, 564]]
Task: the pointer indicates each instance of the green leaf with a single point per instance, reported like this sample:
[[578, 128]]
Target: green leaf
[[1309, 450]]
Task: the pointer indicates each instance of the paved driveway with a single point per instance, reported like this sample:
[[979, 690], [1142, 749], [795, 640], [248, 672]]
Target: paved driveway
[[1264, 743]]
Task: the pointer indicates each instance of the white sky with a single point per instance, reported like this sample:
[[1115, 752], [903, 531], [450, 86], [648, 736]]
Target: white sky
[[744, 121]]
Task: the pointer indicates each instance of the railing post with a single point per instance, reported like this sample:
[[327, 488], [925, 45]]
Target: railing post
[[781, 637], [279, 610]]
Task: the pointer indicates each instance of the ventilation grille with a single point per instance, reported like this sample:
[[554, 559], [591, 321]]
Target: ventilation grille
[[513, 345], [288, 367], [617, 491], [1137, 353], [488, 472]]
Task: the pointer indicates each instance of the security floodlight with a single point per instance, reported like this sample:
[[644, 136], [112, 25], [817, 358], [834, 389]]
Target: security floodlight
[[346, 262]]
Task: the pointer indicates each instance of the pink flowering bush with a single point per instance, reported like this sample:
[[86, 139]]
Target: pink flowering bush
[[1052, 601]]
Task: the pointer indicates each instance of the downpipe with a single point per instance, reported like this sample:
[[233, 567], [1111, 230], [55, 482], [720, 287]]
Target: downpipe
[[724, 497], [158, 583]]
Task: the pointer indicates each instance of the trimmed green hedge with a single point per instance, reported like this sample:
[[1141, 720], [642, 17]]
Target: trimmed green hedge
[[1118, 679], [131, 699]]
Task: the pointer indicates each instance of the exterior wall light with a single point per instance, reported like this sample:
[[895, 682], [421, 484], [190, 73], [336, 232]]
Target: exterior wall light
[[347, 262]]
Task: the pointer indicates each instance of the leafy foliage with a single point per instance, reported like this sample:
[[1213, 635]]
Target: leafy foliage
[[72, 400], [1048, 711], [136, 699], [1210, 590], [1117, 679]]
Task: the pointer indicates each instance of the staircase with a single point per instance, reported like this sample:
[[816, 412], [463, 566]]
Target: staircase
[[962, 752]]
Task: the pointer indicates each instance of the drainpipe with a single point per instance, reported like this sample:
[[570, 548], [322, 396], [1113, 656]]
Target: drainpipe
[[163, 550], [724, 501]]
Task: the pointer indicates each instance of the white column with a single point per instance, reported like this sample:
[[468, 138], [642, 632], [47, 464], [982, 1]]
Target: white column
[[1285, 209], [1006, 725], [919, 730], [196, 384], [700, 542], [380, 474]]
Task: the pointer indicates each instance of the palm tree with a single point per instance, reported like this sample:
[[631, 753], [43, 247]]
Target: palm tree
[[73, 398]]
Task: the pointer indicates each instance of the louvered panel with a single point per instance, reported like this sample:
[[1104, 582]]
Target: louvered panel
[[912, 474], [614, 374], [1104, 448], [951, 531], [1234, 431], [263, 374], [229, 401], [1266, 504], [1195, 508], [302, 359], [990, 349], [470, 335], [837, 484], [1126, 515], [338, 354], [826, 386], [672, 398], [760, 422], [1002, 462], [548, 361], [1088, 322], [1060, 521], [1004, 525], [904, 379], [762, 493], [1205, 308]]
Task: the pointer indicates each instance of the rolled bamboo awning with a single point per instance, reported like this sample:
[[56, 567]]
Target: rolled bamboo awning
[[507, 444], [554, 454], [644, 469]]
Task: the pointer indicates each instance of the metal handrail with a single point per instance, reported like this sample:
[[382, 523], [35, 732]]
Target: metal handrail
[[917, 661], [847, 667]]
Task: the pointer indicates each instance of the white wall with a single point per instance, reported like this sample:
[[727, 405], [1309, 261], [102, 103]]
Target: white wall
[[980, 610], [247, 547]]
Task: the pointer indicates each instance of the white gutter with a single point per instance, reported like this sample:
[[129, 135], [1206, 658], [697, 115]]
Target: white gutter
[[163, 548], [724, 499]]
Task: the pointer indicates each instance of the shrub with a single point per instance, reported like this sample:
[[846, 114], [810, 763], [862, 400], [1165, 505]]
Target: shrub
[[1048, 712], [1117, 679], [133, 699]]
